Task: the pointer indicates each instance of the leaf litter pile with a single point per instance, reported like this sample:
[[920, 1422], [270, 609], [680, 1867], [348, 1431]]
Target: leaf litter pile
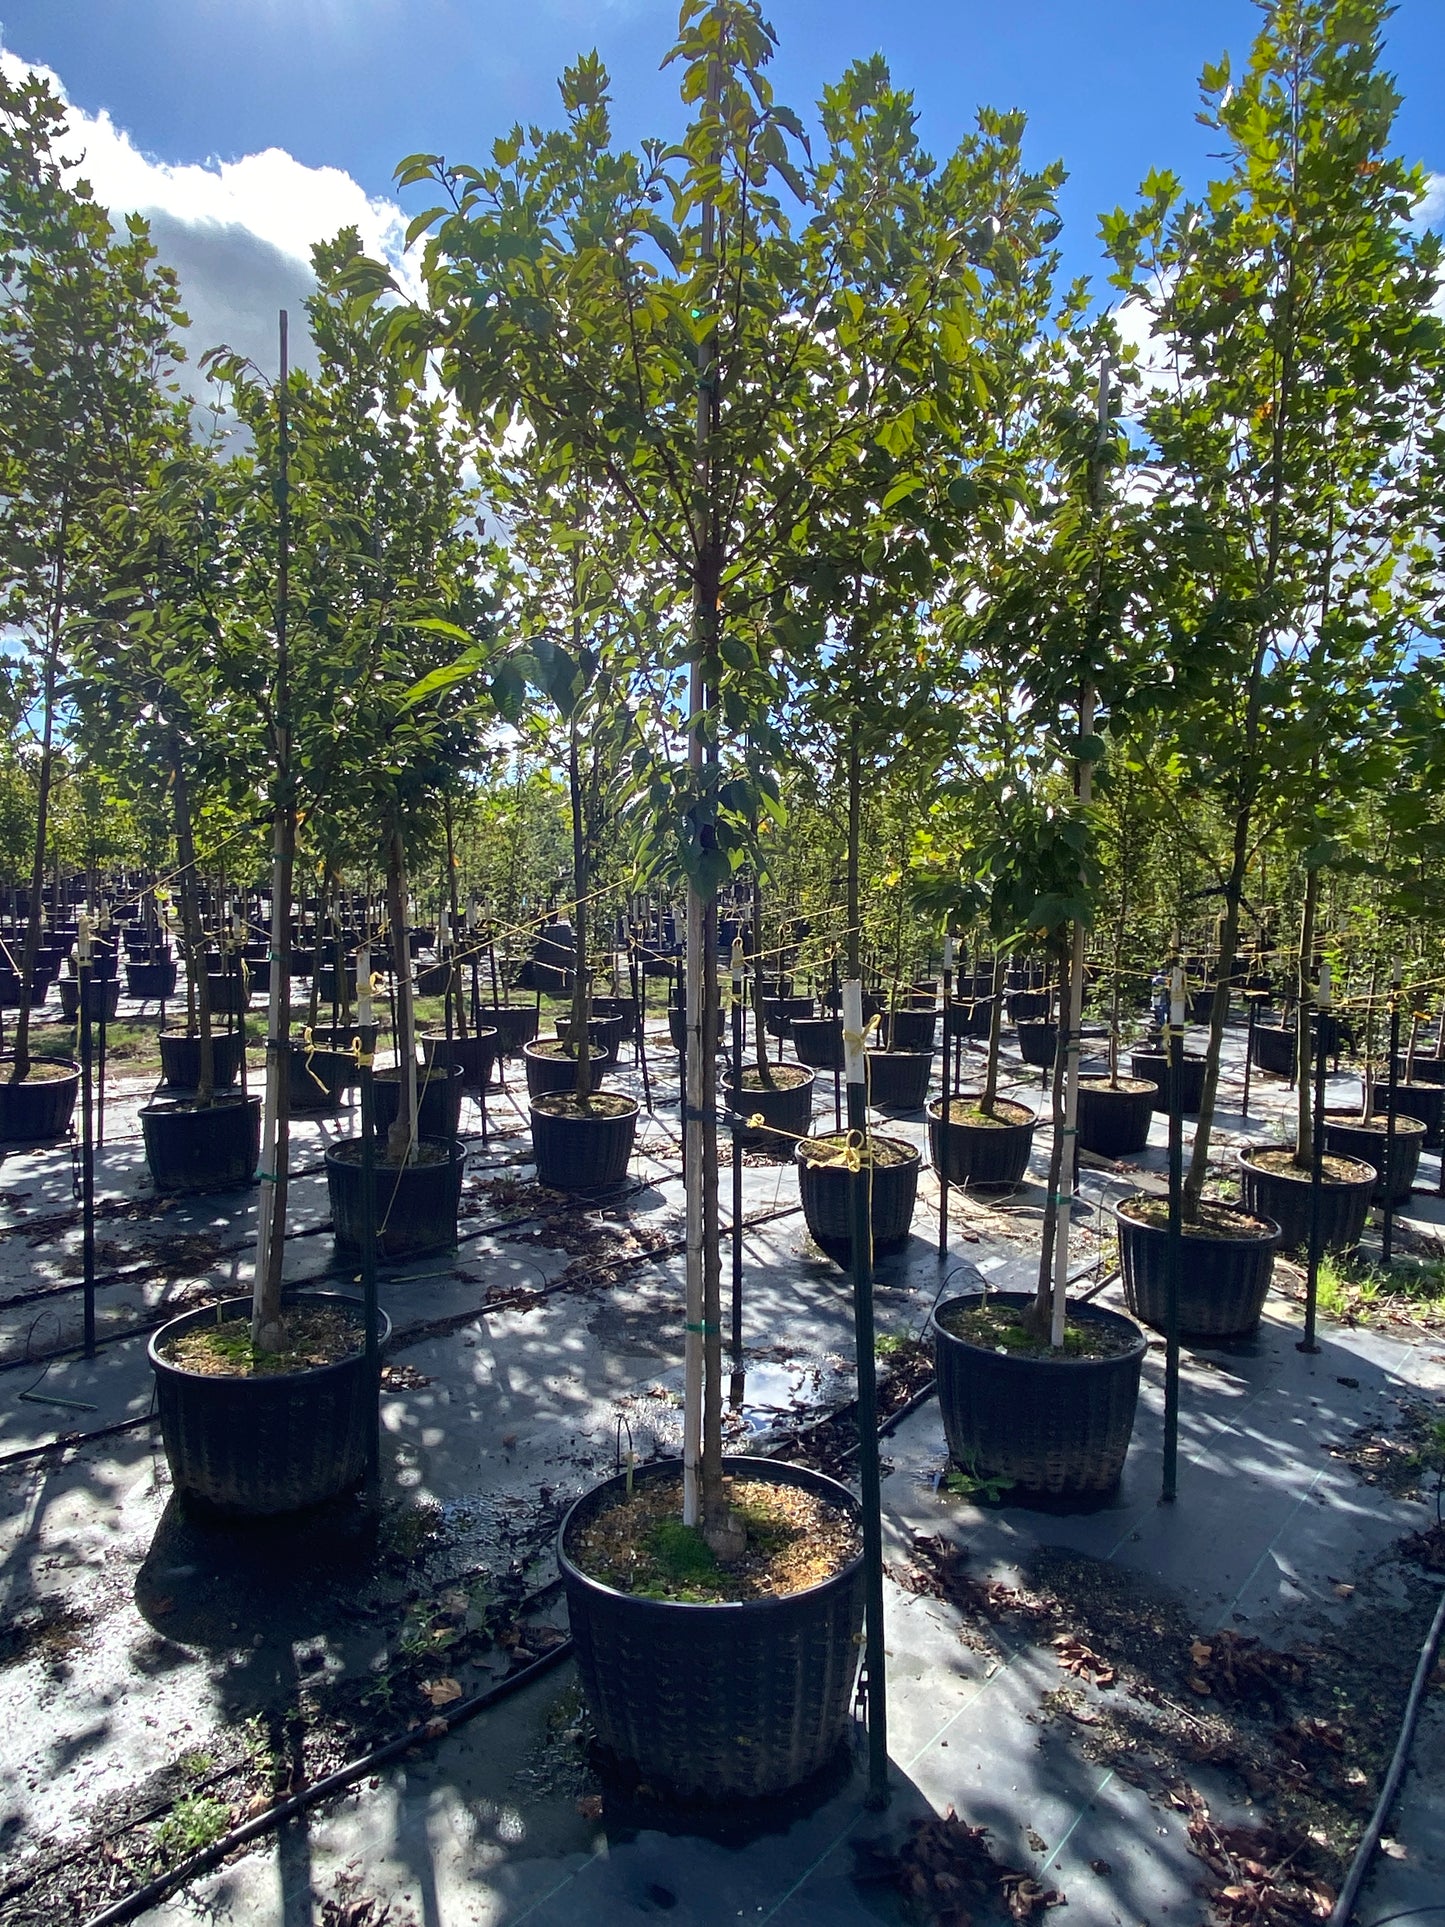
[[945, 1871], [1273, 1758]]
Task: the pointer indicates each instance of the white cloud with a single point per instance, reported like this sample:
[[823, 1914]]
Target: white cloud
[[1430, 208], [238, 233]]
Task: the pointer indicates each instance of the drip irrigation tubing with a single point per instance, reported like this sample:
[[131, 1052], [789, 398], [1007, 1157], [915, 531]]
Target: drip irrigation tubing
[[408, 1335], [142, 1898]]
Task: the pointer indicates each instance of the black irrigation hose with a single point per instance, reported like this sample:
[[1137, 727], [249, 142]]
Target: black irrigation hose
[[393, 1749], [408, 1335], [141, 1328], [297, 1803], [1370, 1838]]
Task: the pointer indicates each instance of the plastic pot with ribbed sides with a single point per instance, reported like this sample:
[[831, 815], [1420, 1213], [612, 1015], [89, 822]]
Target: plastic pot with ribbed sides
[[786, 1109], [551, 1068], [515, 1025], [898, 1080], [1052, 1427], [1273, 1186], [1425, 1101], [415, 1205], [1365, 1139], [717, 1702], [582, 1146], [989, 1153], [438, 1099], [1227, 1261], [825, 1188], [202, 1147], [476, 1053], [272, 1443], [42, 1104], [181, 1059], [818, 1042], [1114, 1119], [1153, 1067]]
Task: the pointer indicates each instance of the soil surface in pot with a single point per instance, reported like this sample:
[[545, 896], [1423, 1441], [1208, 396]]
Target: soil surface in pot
[[599, 1104], [1215, 1220], [43, 1070], [1004, 1115], [563, 1050], [1126, 1086], [796, 1540], [785, 1077], [1000, 1328], [314, 1335], [1333, 1168], [425, 1150], [834, 1150]]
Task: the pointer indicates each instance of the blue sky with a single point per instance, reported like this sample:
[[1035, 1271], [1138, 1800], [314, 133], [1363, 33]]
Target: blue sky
[[344, 88]]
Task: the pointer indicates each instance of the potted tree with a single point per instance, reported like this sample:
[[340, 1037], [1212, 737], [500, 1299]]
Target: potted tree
[[87, 326], [1295, 572]]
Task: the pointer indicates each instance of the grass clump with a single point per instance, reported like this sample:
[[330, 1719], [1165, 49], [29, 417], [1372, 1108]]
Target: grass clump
[[192, 1825]]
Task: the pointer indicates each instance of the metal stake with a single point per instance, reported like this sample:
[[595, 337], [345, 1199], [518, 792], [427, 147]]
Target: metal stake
[[868, 1475], [1175, 1250]]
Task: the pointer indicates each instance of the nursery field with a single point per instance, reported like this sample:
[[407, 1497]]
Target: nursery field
[[722, 1028], [168, 1678]]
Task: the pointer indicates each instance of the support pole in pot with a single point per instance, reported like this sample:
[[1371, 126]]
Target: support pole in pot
[[735, 1390], [855, 1066], [1387, 1226], [1174, 1255], [366, 1038], [947, 1046], [103, 924], [1309, 1343], [1252, 999], [87, 1140]]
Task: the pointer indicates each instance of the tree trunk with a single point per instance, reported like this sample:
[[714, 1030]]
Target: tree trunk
[[401, 1138], [995, 1033], [1304, 1053], [20, 1069], [198, 981], [581, 883]]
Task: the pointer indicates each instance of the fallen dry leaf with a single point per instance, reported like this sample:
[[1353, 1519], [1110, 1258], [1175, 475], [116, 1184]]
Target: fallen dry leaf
[[1082, 1661], [441, 1692]]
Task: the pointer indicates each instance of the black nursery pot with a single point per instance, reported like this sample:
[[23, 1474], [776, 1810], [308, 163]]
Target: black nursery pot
[[344, 1038], [1038, 1042], [1428, 1070], [1056, 1429], [438, 1099], [266, 1445], [1424, 1101], [781, 1013], [475, 1053], [150, 980], [1114, 1119], [969, 1018], [1273, 1049], [548, 1071], [1152, 1067], [415, 1205], [181, 1059], [10, 981], [515, 1025], [988, 1157], [318, 1077], [102, 997], [898, 1079], [787, 1109], [717, 1703], [818, 1042], [605, 1032], [582, 1152], [1286, 1196], [1022, 1005], [826, 1193], [38, 1107], [1366, 1141], [910, 1029], [623, 1007], [193, 1147], [1223, 1282]]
